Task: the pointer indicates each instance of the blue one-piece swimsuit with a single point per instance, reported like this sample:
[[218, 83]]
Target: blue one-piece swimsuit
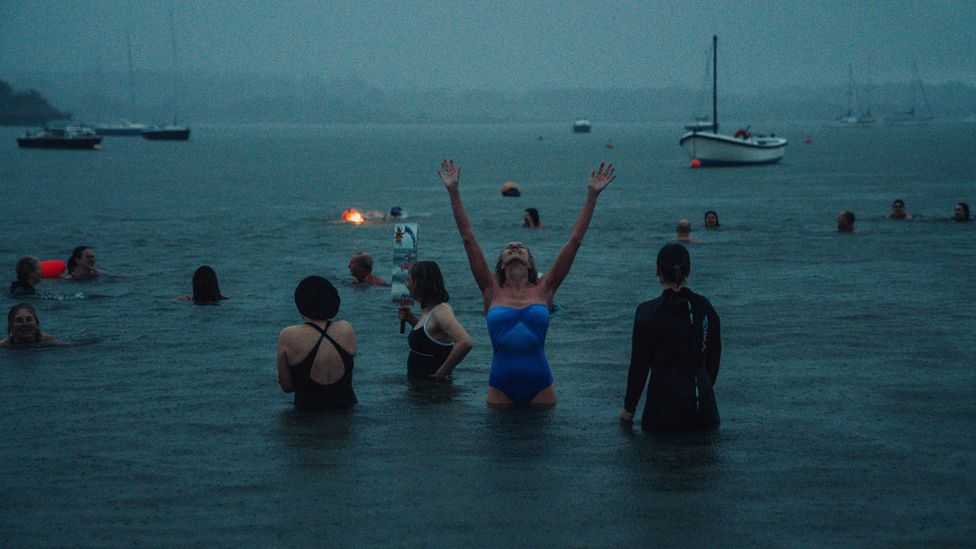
[[519, 368]]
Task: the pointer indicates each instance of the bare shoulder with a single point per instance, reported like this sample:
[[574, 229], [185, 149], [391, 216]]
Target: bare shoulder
[[5, 342]]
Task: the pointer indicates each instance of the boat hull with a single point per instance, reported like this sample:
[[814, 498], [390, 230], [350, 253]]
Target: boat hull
[[713, 149], [120, 130], [85, 143], [167, 134]]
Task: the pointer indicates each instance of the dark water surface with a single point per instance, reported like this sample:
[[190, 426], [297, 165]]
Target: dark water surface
[[847, 388]]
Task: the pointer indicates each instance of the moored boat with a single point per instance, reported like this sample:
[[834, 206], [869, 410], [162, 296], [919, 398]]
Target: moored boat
[[65, 137], [167, 133], [582, 125], [707, 147], [121, 129]]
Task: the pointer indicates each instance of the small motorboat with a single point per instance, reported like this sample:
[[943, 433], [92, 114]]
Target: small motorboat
[[582, 125], [63, 137], [167, 133]]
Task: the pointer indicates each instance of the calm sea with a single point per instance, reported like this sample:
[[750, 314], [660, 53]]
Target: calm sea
[[847, 387]]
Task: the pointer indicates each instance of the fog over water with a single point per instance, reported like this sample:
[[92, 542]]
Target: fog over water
[[505, 45]]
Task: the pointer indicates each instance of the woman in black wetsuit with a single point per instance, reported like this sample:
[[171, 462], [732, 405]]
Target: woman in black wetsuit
[[315, 358], [438, 341], [23, 327], [677, 339]]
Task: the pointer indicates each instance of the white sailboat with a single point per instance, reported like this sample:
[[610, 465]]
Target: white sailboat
[[707, 147], [851, 119], [914, 115], [125, 127], [174, 131]]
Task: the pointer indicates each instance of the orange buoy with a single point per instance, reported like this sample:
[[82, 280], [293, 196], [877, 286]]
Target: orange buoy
[[511, 189], [695, 163], [352, 215], [53, 268]]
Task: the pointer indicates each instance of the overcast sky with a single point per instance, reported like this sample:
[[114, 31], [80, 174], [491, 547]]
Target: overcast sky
[[504, 44]]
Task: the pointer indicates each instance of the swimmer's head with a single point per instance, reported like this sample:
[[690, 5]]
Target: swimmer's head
[[396, 211], [205, 286], [961, 212], [683, 227], [28, 270], [531, 218], [361, 265], [22, 322], [515, 252], [845, 221], [82, 256], [673, 263], [317, 298], [711, 219], [426, 284]]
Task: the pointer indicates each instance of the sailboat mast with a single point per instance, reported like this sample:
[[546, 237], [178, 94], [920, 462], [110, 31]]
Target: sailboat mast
[[132, 83], [172, 36], [715, 83]]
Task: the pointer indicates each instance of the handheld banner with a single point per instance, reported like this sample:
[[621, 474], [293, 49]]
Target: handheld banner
[[404, 256]]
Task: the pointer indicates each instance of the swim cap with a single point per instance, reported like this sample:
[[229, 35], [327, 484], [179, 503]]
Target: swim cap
[[396, 211], [317, 298]]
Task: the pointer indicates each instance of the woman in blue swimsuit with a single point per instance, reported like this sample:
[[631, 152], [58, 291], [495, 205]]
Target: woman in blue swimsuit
[[517, 300]]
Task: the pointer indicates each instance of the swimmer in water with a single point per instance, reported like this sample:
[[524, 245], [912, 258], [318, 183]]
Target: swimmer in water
[[683, 230], [711, 220], [845, 222], [517, 301], [81, 264], [361, 268], [23, 327], [898, 210], [206, 289], [961, 212], [28, 271], [438, 341], [531, 219], [315, 358], [677, 339]]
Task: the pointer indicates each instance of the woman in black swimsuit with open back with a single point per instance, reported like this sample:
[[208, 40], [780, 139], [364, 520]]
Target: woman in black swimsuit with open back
[[315, 358]]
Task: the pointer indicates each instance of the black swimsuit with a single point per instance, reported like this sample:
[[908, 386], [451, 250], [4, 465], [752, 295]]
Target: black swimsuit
[[309, 394], [426, 353]]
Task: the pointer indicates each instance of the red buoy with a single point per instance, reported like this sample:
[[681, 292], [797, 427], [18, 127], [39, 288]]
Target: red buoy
[[53, 268], [695, 163]]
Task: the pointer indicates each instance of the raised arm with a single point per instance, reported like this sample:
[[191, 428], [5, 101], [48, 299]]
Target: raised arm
[[598, 181], [451, 176]]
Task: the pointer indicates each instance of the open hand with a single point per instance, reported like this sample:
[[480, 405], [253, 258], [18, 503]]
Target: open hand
[[450, 174], [601, 177]]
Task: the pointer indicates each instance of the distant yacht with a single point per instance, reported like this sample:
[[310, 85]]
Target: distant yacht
[[914, 115], [167, 133], [582, 125], [851, 119], [122, 128], [710, 148], [125, 128], [64, 137]]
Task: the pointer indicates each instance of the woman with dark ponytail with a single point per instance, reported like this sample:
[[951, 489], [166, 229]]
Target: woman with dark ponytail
[[677, 339]]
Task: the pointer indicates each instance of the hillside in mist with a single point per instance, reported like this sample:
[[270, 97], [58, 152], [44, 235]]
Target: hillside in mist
[[205, 98]]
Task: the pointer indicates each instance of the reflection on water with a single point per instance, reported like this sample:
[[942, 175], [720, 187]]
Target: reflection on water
[[425, 391], [673, 462]]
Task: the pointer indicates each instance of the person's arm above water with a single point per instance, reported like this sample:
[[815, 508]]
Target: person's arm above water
[[451, 175], [406, 315], [284, 373], [444, 319], [641, 354], [560, 268]]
